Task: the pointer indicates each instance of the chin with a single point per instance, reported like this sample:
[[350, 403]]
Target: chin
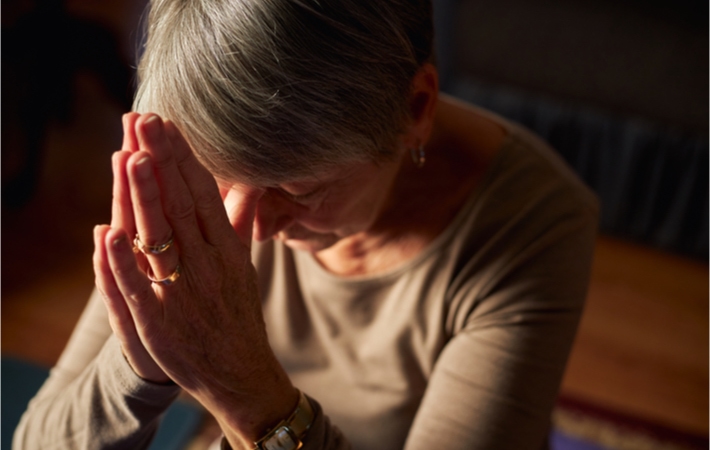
[[305, 246], [306, 240]]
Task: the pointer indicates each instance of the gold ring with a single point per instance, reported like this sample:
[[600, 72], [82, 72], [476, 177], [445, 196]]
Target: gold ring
[[170, 279], [153, 249]]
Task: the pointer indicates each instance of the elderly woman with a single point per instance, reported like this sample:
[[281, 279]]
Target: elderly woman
[[418, 268]]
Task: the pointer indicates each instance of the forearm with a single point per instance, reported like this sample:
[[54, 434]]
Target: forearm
[[106, 406]]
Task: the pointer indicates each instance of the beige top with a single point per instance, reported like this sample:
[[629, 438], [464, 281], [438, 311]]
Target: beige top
[[462, 347]]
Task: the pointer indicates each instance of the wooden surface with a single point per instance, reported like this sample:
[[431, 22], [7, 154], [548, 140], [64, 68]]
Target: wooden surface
[[642, 346]]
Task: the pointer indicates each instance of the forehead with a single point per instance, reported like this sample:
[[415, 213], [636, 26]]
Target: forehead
[[333, 174]]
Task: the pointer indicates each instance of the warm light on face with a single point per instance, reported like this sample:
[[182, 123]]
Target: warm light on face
[[314, 214]]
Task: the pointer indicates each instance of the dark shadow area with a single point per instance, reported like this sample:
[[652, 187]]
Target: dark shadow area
[[619, 88], [43, 52]]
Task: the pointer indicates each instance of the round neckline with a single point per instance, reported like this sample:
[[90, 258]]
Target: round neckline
[[439, 241]]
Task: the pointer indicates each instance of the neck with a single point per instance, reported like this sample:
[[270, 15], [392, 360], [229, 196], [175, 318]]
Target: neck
[[422, 202]]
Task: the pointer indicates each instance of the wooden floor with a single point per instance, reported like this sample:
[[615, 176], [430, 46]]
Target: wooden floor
[[642, 348]]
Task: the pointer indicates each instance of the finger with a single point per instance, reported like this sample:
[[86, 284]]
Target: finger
[[119, 314], [121, 208], [144, 306], [224, 189], [203, 187], [240, 204], [130, 141], [102, 271], [177, 201], [151, 224]]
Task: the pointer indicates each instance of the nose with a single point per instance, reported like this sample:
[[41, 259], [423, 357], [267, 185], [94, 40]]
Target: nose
[[273, 214]]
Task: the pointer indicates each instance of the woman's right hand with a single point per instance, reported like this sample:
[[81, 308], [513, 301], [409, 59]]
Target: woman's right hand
[[122, 217]]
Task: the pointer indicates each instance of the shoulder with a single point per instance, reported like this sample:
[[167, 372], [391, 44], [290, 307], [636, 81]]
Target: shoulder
[[517, 165], [525, 239], [528, 181]]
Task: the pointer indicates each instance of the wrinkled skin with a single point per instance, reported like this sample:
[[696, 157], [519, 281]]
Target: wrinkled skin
[[204, 332]]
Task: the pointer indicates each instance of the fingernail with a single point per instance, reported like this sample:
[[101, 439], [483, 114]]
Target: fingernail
[[143, 167], [118, 242], [152, 126]]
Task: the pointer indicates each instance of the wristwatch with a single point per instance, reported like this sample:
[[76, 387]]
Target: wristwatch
[[289, 433]]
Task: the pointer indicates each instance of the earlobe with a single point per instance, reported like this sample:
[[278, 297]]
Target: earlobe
[[423, 100]]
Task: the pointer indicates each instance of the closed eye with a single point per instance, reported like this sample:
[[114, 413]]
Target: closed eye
[[301, 198]]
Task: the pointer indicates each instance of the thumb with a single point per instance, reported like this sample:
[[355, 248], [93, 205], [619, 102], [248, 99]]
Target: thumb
[[240, 203]]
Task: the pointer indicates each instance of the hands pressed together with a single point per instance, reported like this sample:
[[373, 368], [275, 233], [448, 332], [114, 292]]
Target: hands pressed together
[[188, 312]]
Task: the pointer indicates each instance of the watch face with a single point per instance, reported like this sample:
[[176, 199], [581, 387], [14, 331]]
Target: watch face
[[281, 439]]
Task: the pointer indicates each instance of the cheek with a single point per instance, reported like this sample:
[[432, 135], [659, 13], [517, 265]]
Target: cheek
[[343, 212], [326, 216]]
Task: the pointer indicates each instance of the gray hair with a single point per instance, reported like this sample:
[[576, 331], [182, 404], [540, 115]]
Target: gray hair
[[273, 90]]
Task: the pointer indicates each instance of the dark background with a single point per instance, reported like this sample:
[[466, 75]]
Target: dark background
[[619, 88]]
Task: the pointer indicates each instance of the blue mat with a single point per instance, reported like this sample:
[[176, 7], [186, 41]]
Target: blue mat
[[21, 380], [561, 441]]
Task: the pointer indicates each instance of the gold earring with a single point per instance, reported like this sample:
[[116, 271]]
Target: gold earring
[[418, 156]]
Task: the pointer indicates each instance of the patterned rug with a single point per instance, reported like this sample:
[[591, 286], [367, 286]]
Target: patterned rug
[[581, 426]]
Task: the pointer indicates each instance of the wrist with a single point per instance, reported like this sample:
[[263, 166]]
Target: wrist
[[147, 372], [251, 419], [288, 434]]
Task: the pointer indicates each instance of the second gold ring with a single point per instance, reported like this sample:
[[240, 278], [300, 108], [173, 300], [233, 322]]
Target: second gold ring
[[152, 249]]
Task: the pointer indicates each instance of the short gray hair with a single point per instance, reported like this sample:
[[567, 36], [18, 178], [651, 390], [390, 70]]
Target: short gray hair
[[273, 90]]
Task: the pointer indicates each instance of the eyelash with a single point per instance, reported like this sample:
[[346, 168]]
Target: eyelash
[[301, 197]]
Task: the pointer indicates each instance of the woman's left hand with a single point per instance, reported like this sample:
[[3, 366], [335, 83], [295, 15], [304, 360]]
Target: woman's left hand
[[205, 328]]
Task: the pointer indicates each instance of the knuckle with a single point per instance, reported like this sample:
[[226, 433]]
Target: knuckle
[[121, 270], [124, 273], [207, 201], [163, 162], [154, 239], [180, 209], [149, 198], [140, 295], [184, 160]]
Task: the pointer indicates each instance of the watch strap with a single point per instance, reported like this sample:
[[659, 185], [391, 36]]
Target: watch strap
[[289, 433]]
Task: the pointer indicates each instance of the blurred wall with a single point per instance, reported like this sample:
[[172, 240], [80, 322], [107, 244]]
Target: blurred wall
[[618, 88], [633, 57]]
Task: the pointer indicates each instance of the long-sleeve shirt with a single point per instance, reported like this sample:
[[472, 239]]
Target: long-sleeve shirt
[[461, 347]]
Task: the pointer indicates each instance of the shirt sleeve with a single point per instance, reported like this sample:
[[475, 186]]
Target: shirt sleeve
[[93, 398], [495, 383]]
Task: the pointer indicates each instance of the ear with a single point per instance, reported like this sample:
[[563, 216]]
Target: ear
[[423, 99]]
